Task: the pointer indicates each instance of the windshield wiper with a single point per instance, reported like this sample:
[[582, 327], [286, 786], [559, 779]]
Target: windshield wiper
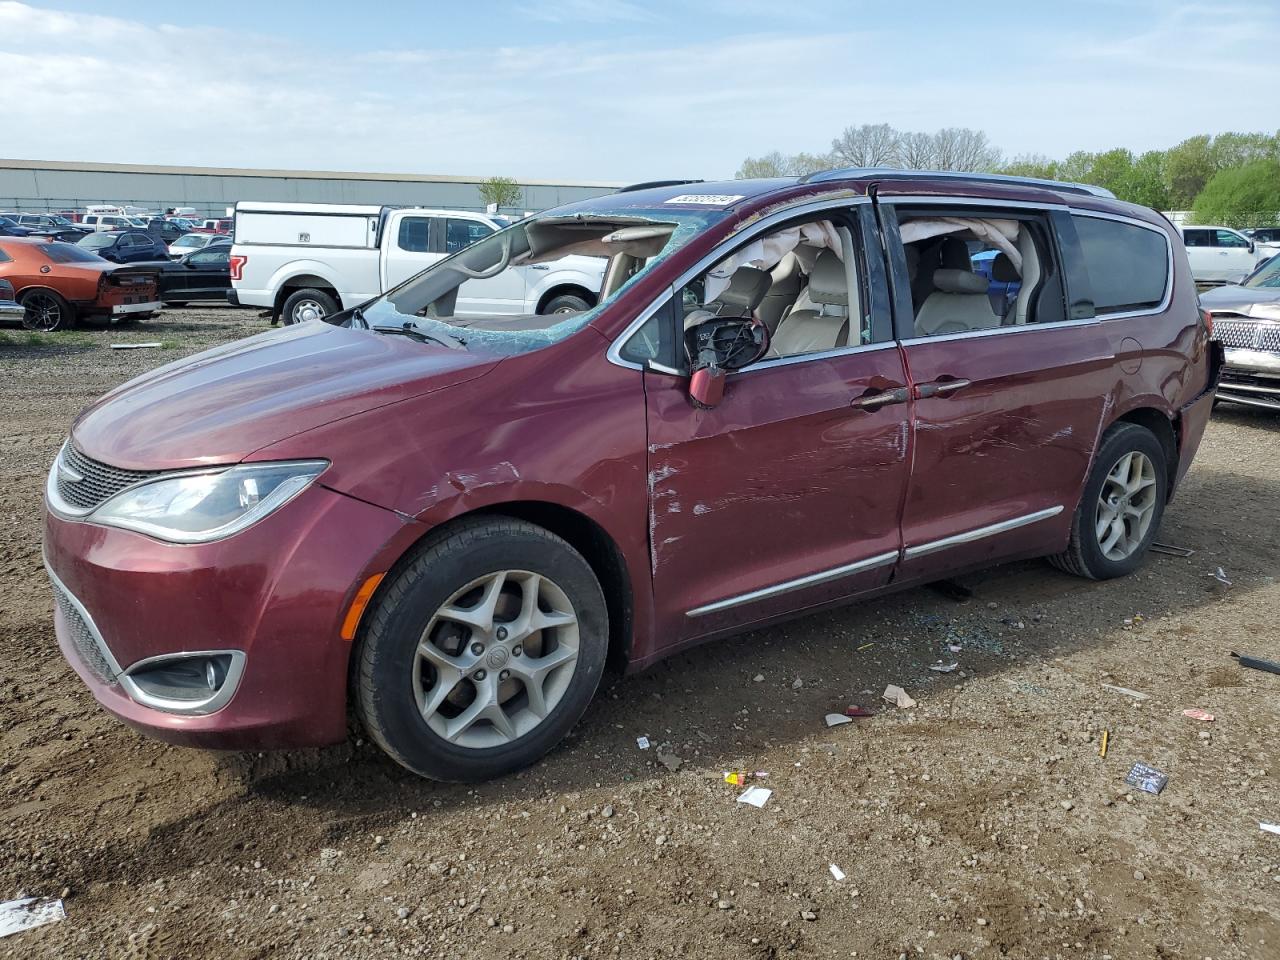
[[408, 329]]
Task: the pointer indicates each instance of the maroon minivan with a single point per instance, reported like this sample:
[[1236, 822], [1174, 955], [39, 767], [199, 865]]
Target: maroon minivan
[[787, 395]]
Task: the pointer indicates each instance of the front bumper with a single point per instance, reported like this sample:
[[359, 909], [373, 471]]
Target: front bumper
[[277, 593], [1252, 378]]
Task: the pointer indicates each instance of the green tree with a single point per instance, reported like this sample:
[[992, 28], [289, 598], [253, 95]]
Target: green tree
[[503, 191], [1031, 165], [1247, 196], [1144, 183], [777, 164], [1187, 168]]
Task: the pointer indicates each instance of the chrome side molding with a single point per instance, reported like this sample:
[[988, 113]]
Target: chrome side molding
[[980, 533], [835, 573]]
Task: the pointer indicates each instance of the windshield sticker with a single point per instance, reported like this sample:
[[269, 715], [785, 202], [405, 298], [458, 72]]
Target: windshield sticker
[[705, 199]]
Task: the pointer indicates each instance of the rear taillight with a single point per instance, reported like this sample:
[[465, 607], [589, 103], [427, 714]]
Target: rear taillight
[[1207, 317], [237, 266]]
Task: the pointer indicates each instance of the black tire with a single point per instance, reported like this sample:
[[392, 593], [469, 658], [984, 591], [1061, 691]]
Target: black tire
[[565, 303], [383, 675], [46, 311], [1083, 556], [298, 302]]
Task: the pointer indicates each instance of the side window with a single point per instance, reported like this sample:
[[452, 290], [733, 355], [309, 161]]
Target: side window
[[414, 234], [972, 270], [1196, 238], [460, 234], [1128, 265], [209, 258], [1225, 238], [804, 282]]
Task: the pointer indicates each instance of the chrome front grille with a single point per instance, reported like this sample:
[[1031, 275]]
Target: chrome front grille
[[85, 483], [83, 636], [1246, 334]]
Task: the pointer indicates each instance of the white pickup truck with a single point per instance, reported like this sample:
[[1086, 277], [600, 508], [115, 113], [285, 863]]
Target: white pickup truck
[[305, 261]]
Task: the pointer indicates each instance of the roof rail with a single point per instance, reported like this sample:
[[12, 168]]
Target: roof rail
[[655, 183], [871, 173]]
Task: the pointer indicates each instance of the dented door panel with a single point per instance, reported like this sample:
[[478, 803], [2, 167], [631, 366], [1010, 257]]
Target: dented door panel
[[784, 480], [1016, 441]]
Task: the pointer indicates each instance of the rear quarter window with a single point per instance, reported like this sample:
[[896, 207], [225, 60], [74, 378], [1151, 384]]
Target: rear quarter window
[[1128, 265]]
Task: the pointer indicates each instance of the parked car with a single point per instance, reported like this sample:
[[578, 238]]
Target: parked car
[[191, 242], [50, 225], [59, 283], [1246, 319], [1263, 234], [124, 246], [221, 226], [203, 275], [10, 228], [457, 519], [10, 310], [306, 261], [185, 223], [1219, 253], [109, 221], [164, 232]]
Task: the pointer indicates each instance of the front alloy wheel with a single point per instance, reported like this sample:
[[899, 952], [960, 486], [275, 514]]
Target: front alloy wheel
[[496, 659], [481, 650]]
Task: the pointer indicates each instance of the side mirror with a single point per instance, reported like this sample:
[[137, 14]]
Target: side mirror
[[1253, 247], [719, 346]]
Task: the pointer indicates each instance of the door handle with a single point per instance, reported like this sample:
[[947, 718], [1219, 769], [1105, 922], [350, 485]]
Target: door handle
[[538, 266], [874, 401], [940, 388]]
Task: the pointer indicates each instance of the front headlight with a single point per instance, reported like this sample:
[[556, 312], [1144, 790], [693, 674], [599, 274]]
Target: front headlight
[[199, 507]]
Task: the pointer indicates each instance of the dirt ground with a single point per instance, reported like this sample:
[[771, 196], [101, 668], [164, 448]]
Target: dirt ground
[[980, 823]]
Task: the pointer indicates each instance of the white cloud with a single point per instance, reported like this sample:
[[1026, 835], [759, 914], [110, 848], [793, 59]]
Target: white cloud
[[629, 108]]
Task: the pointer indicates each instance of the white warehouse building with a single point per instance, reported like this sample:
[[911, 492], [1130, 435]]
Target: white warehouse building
[[41, 186]]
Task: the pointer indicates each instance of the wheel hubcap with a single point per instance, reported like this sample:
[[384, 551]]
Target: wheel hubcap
[[305, 310], [1126, 506], [496, 659]]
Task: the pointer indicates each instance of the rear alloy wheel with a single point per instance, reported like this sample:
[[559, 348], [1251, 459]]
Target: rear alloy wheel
[[46, 311], [483, 652], [305, 305], [1121, 507]]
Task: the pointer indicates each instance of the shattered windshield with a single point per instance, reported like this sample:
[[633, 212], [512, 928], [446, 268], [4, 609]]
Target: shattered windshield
[[1267, 275], [537, 281]]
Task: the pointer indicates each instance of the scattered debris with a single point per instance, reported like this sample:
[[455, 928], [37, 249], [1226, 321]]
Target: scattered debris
[[135, 346], [758, 678], [897, 696], [1136, 694], [954, 647], [756, 796], [835, 719], [865, 646], [643, 743], [670, 761], [1106, 738], [28, 913], [1270, 827], [839, 874], [1197, 714], [739, 778], [1146, 778], [1170, 550], [941, 667], [797, 684], [1221, 576], [856, 711], [1255, 663]]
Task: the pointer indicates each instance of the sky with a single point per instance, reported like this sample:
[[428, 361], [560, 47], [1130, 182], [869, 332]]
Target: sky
[[614, 90]]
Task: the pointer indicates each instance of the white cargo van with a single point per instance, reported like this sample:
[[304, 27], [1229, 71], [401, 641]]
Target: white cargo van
[[305, 261]]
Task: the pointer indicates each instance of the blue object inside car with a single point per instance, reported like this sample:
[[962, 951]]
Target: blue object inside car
[[1003, 282]]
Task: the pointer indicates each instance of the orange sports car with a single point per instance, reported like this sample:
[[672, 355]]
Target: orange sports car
[[59, 283]]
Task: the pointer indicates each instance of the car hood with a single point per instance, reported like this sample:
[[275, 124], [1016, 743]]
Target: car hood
[[1239, 299], [221, 405]]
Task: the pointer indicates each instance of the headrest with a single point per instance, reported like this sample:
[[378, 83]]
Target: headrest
[[1003, 270], [827, 280], [959, 281], [953, 254], [746, 290]]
